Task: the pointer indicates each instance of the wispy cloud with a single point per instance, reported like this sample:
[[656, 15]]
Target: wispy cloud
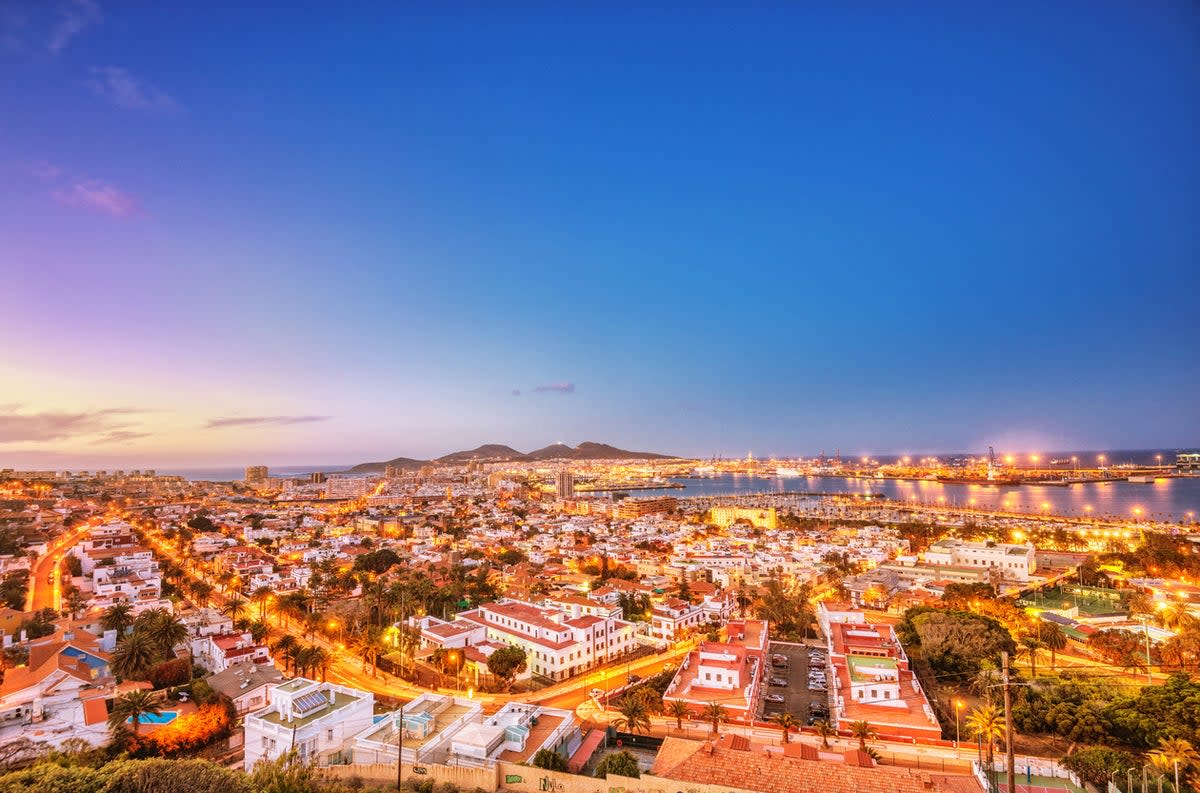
[[120, 436], [16, 427], [98, 196], [74, 17], [119, 86], [556, 388], [244, 421]]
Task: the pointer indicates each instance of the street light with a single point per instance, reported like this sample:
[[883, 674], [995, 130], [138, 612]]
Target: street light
[[958, 706]]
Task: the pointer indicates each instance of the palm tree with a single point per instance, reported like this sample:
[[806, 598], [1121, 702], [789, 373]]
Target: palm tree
[[320, 659], [785, 722], [1030, 644], [262, 596], [1175, 616], [1052, 635], [988, 724], [985, 680], [714, 713], [259, 631], [635, 716], [297, 656], [201, 592], [134, 655], [132, 707], [677, 710], [117, 617], [234, 608], [863, 731], [1175, 753], [824, 729], [283, 646]]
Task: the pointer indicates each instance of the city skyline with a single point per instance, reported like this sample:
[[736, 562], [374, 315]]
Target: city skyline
[[298, 240]]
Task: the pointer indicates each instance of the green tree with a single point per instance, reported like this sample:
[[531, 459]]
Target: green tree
[[506, 663], [786, 722], [1099, 765], [619, 763], [862, 732], [675, 709], [133, 656], [1030, 644], [1053, 637], [549, 760], [132, 707], [714, 713], [825, 730], [117, 617], [634, 716], [988, 724]]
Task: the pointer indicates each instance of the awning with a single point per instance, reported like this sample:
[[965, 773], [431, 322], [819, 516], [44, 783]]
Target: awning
[[591, 742]]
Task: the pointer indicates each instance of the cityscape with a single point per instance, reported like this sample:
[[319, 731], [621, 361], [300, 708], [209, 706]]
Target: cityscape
[[599, 398]]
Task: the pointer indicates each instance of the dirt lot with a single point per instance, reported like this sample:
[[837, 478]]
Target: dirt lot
[[798, 698]]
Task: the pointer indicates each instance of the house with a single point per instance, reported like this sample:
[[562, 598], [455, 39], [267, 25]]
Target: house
[[58, 695], [729, 672], [248, 686], [316, 720]]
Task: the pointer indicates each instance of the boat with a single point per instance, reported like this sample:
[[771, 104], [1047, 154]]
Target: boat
[[787, 471]]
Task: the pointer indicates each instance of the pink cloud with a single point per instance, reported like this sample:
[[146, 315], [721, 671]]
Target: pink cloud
[[98, 196]]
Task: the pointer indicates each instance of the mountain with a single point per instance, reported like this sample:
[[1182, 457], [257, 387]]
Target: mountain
[[498, 452], [486, 452], [590, 450], [403, 463]]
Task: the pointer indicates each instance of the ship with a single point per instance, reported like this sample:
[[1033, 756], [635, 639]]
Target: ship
[[787, 471], [997, 481]]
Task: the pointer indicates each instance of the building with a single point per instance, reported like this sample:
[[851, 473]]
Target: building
[[57, 695], [248, 686], [565, 482], [727, 515], [255, 474], [1007, 561], [514, 734], [729, 672], [316, 478], [428, 723], [871, 679], [1187, 462], [633, 508], [557, 646], [317, 720]]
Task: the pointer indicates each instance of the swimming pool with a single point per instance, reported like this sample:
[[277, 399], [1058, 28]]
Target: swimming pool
[[166, 717]]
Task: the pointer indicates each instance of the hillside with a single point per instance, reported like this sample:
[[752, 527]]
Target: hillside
[[498, 452]]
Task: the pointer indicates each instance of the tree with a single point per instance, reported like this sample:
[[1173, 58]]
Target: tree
[[988, 724], [1176, 754], [549, 760], [1099, 765], [132, 707], [133, 656], [1053, 637], [1030, 644], [506, 663], [824, 729], [284, 645], [786, 723], [675, 709], [863, 732], [234, 608], [634, 716], [262, 596], [619, 763], [1176, 616], [954, 643], [117, 617], [259, 631], [714, 713]]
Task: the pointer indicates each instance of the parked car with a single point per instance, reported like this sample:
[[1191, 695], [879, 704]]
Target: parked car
[[776, 698], [778, 681]]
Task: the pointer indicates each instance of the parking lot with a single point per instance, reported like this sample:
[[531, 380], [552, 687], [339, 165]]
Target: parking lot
[[798, 698]]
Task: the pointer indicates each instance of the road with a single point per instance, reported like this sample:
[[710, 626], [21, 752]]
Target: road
[[45, 580]]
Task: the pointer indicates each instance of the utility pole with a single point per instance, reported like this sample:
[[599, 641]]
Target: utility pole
[[399, 749], [1008, 728]]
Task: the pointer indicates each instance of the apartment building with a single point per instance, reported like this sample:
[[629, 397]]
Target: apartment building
[[316, 720], [1008, 561], [729, 672]]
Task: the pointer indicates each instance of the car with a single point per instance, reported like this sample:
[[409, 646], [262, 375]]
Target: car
[[634, 678], [777, 662], [776, 698], [778, 681]]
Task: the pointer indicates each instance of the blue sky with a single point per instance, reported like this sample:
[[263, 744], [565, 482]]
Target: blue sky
[[780, 228]]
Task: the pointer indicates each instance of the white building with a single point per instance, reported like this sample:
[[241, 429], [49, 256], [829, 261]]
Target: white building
[[1008, 561], [317, 720]]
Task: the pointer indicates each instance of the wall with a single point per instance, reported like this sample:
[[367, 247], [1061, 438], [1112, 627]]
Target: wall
[[520, 778]]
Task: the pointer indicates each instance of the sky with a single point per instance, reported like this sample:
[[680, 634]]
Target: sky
[[289, 235]]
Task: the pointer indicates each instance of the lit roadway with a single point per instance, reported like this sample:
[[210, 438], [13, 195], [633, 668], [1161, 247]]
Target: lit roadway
[[45, 580]]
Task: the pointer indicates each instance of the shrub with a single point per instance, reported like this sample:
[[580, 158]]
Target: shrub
[[171, 673]]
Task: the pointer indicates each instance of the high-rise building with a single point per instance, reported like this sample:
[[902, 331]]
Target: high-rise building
[[566, 483], [256, 473], [316, 478]]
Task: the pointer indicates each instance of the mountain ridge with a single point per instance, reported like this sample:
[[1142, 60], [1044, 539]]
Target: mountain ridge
[[499, 452]]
